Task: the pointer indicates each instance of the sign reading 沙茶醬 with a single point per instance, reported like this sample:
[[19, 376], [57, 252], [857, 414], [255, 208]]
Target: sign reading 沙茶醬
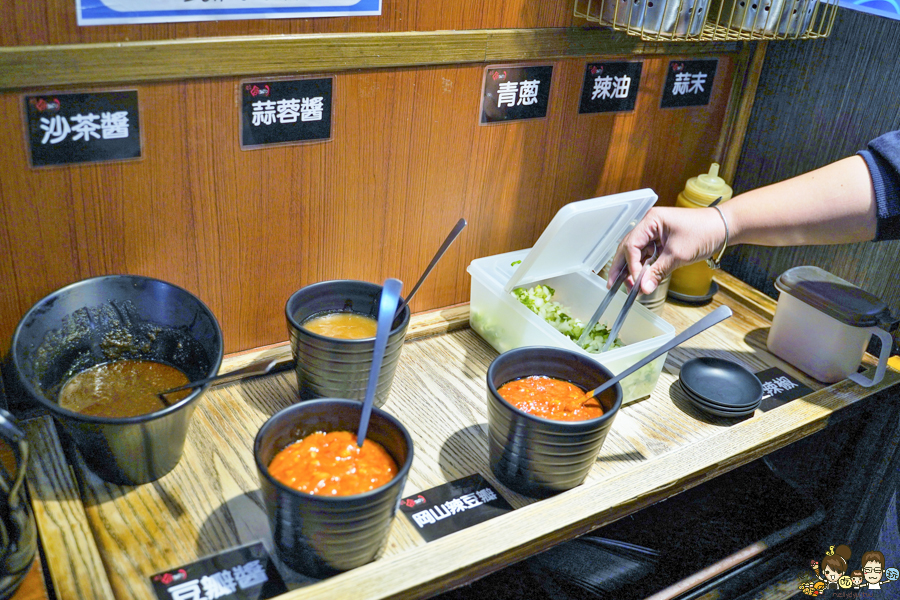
[[82, 128], [285, 111], [513, 93]]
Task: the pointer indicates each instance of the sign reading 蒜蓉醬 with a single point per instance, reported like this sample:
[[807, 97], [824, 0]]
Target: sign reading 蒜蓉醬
[[514, 93], [285, 111], [688, 83], [82, 127], [610, 87]]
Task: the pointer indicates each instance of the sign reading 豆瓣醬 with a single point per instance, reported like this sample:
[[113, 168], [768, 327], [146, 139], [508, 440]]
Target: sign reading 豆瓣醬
[[453, 506], [513, 93], [610, 87], [245, 573], [688, 83], [285, 111], [82, 128]]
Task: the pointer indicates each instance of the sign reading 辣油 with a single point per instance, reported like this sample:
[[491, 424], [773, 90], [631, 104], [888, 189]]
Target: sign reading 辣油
[[610, 87], [82, 128], [688, 83], [514, 93], [285, 111]]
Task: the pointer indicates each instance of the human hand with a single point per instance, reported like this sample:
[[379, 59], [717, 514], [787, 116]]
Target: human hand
[[682, 236]]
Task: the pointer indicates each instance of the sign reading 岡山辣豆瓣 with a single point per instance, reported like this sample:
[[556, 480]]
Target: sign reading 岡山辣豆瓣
[[285, 111], [81, 128], [110, 12]]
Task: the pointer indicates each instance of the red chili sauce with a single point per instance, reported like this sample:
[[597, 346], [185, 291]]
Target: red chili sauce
[[331, 464], [550, 398]]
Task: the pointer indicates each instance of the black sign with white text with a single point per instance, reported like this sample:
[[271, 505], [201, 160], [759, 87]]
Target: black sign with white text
[[688, 83], [610, 87], [453, 506], [82, 128], [779, 388], [245, 573], [285, 111], [515, 93]]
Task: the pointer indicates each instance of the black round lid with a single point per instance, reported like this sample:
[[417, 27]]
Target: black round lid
[[834, 296]]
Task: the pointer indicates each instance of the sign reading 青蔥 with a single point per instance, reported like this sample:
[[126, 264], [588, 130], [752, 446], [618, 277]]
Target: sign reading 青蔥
[[688, 83], [285, 111], [453, 506], [82, 128], [111, 12], [244, 573], [514, 93], [610, 87]]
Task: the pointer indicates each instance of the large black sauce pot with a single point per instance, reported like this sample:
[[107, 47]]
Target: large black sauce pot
[[99, 320]]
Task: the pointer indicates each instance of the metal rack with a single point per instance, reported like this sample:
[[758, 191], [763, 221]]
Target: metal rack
[[713, 20]]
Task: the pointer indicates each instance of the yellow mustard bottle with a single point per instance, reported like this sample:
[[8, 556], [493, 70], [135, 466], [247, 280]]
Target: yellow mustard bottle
[[699, 192]]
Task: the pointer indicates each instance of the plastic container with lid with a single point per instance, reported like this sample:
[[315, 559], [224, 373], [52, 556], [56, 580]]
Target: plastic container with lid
[[572, 249], [694, 280], [822, 325]]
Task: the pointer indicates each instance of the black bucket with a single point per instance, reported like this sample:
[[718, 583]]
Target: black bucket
[[109, 318]]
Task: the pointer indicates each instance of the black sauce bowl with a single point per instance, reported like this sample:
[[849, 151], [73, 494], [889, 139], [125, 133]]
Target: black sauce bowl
[[319, 535], [99, 320], [539, 457], [339, 368]]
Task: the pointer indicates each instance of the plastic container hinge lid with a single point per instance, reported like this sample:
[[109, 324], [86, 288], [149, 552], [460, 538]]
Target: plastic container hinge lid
[[834, 296]]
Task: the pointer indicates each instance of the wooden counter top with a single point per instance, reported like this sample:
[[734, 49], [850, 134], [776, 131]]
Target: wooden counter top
[[105, 541]]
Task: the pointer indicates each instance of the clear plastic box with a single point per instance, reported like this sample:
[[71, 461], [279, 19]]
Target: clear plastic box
[[574, 246]]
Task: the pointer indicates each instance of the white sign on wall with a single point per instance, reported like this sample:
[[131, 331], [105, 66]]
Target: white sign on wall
[[111, 12]]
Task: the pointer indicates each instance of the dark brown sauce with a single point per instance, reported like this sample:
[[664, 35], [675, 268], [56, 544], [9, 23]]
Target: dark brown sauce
[[122, 388]]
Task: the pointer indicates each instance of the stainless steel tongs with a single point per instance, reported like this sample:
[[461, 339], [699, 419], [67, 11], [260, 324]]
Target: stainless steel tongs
[[620, 319]]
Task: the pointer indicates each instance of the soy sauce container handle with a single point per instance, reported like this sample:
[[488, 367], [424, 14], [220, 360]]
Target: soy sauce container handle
[[887, 342]]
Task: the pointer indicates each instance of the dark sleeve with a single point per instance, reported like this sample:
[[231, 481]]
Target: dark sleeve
[[883, 159]]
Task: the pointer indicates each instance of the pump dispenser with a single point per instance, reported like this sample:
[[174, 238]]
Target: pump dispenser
[[695, 280]]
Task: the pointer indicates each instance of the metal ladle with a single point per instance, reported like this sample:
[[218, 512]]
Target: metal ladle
[[452, 236], [251, 370], [720, 314]]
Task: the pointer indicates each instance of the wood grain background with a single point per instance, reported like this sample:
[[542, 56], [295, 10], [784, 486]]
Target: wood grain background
[[244, 229]]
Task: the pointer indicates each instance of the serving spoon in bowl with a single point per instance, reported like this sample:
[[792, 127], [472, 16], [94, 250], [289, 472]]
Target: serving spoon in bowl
[[457, 229], [716, 316], [252, 370], [387, 308]]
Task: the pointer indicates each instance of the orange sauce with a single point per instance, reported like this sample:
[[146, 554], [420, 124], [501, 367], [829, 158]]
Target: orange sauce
[[342, 325], [331, 464], [122, 388], [550, 398]]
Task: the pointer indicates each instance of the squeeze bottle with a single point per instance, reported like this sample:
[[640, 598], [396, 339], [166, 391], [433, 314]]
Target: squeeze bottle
[[699, 192]]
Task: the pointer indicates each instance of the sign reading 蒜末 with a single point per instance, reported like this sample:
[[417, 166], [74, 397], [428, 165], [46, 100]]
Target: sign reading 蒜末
[[779, 388], [244, 573], [515, 93], [610, 87], [285, 111], [82, 128], [453, 506], [110, 12], [688, 83]]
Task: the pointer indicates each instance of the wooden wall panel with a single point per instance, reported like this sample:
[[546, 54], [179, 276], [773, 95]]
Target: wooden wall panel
[[54, 21], [244, 229]]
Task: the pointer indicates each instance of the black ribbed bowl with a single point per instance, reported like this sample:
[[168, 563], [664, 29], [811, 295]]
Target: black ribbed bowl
[[336, 368], [323, 535], [102, 319], [537, 456]]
